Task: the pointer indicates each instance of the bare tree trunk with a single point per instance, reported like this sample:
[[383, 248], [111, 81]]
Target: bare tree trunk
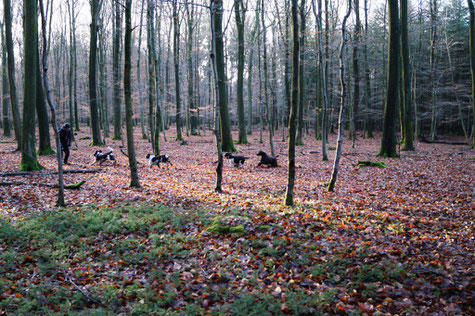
[[11, 72], [336, 163], [96, 133], [356, 72], [215, 6], [289, 195], [54, 123], [433, 42], [266, 82], [116, 56], [302, 93], [388, 138], [134, 176], [369, 116], [5, 93], [406, 104], [323, 73], [29, 160], [240, 21], [176, 59], [472, 62]]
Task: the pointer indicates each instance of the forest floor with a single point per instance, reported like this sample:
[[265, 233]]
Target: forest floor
[[389, 240]]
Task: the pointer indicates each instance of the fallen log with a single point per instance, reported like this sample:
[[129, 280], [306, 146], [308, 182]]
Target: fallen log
[[447, 142], [24, 173], [75, 186]]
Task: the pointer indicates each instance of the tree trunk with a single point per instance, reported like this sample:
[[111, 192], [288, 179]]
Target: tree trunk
[[433, 41], [176, 59], [356, 72], [216, 8], [11, 72], [42, 113], [117, 35], [54, 123], [96, 132], [225, 122], [151, 71], [134, 176], [302, 95], [369, 116], [323, 74], [472, 62], [266, 82], [193, 109], [339, 147], [29, 160], [240, 21], [289, 195], [406, 103], [388, 138], [139, 77], [5, 92]]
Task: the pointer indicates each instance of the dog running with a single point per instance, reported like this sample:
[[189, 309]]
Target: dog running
[[156, 160], [238, 161], [101, 157], [267, 160]]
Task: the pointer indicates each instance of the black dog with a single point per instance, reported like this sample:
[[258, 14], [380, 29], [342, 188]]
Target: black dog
[[238, 161], [267, 160], [100, 157], [156, 160]]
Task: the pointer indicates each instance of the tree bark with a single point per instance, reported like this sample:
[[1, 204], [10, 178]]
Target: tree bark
[[5, 93], [289, 195], [96, 132], [225, 122], [472, 62], [134, 176], [339, 147], [302, 95], [116, 56], [356, 72], [191, 95], [29, 160], [240, 21], [369, 117], [11, 72], [176, 60], [433, 41], [216, 6], [406, 103], [42, 113], [388, 138]]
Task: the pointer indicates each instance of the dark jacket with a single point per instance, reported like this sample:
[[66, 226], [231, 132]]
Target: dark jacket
[[65, 137]]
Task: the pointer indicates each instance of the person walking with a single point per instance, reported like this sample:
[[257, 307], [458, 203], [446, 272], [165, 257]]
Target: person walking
[[65, 137]]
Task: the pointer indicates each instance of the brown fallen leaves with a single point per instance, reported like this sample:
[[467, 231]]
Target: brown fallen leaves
[[417, 214]]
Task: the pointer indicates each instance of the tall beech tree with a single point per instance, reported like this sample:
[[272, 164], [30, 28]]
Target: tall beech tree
[[472, 62], [5, 93], [289, 195], [356, 72], [44, 146], [225, 121], [96, 132], [339, 146], [388, 138], [176, 61], [117, 35], [302, 94], [134, 176], [406, 102], [7, 10], [29, 160], [240, 14]]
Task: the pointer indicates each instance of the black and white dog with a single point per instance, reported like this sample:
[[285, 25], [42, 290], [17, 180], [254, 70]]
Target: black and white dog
[[267, 160], [156, 160], [101, 157], [238, 161]]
